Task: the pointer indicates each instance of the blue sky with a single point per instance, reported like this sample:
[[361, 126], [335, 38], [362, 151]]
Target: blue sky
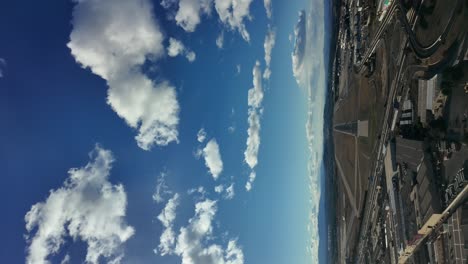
[[132, 131]]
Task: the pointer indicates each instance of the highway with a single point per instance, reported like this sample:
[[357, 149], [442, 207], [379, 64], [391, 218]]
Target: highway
[[426, 51], [420, 50], [378, 35], [378, 166]]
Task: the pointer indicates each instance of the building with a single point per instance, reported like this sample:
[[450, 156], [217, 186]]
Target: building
[[425, 195], [428, 90], [382, 8], [440, 249], [457, 236], [363, 128], [407, 113], [408, 155]]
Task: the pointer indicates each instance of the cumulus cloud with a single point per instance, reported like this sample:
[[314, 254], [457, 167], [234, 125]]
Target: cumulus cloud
[[2, 66], [233, 13], [213, 158], [309, 71], [220, 40], [255, 98], [201, 135], [114, 39], [268, 46], [228, 192], [87, 207], [252, 176], [253, 139], [192, 242], [200, 190], [219, 188], [268, 9], [161, 189], [255, 94], [168, 3], [189, 14], [167, 217], [177, 48], [299, 47], [65, 260], [191, 56]]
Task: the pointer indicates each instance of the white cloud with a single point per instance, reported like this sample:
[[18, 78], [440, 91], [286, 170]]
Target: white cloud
[[233, 13], [253, 139], [268, 9], [198, 153], [177, 48], [220, 40], [161, 189], [219, 188], [189, 13], [230, 192], [65, 260], [193, 239], [238, 68], [2, 66], [200, 190], [87, 207], [309, 71], [213, 158], [255, 94], [191, 56], [167, 217], [234, 254], [114, 39], [168, 3], [268, 46], [255, 98], [252, 176], [201, 135], [299, 52]]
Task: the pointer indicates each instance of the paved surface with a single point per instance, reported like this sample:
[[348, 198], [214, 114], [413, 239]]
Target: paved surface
[[351, 198]]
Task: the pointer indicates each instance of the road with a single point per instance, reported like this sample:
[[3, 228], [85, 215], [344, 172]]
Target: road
[[380, 31], [348, 129], [378, 165], [379, 161], [426, 51], [420, 50]]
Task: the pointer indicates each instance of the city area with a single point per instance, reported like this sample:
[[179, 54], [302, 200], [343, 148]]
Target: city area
[[400, 132]]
